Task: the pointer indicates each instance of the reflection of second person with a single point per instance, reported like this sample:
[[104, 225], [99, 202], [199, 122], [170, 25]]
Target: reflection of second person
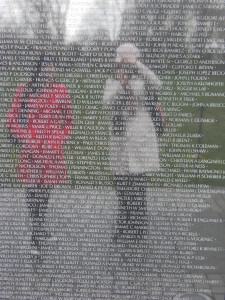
[[40, 118], [133, 140]]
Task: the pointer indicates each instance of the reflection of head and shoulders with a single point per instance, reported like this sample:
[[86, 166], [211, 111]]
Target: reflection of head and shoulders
[[130, 72], [43, 84]]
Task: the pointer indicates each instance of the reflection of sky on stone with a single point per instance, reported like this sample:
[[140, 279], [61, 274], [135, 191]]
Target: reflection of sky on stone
[[75, 15], [82, 18], [9, 11], [88, 17]]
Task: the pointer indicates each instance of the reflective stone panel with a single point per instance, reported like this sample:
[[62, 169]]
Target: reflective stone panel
[[112, 149]]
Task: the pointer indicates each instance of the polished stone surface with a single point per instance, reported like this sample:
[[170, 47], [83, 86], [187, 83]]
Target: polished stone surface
[[85, 263]]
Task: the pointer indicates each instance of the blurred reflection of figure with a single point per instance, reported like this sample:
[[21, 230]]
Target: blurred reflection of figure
[[133, 140], [40, 118]]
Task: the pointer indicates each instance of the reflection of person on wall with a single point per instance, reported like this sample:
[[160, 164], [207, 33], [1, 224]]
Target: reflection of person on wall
[[133, 141], [40, 118]]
